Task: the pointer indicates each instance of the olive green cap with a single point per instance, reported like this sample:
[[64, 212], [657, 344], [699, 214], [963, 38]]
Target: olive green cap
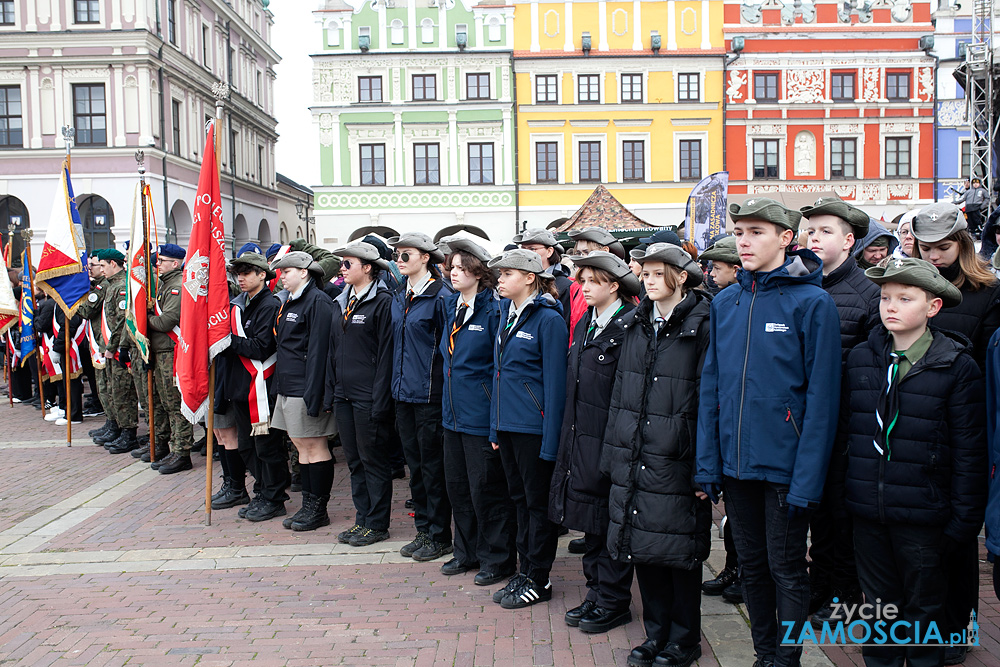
[[723, 250], [768, 210], [919, 273], [855, 217]]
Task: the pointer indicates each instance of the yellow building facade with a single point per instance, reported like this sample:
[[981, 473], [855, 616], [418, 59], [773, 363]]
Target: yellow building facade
[[628, 94]]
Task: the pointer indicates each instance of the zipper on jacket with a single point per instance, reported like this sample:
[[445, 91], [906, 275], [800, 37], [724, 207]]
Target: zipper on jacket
[[533, 399], [790, 418], [743, 388]]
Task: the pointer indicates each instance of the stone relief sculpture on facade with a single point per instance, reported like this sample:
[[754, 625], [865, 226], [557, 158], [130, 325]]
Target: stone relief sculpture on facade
[[805, 154], [805, 86], [869, 83], [737, 80]]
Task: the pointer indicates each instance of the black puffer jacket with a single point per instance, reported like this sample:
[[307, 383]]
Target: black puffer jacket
[[302, 334], [578, 497], [936, 474], [976, 318], [649, 444], [857, 300]]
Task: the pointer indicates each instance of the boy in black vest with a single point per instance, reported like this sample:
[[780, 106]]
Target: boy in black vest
[[913, 425]]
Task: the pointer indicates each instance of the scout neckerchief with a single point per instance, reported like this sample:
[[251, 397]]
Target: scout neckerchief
[[260, 371], [459, 322], [887, 407]]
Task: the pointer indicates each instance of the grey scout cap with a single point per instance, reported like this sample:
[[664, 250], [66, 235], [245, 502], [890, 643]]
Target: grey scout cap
[[299, 260], [366, 252], [536, 235], [598, 235], [937, 221], [919, 273], [451, 244], [421, 242], [670, 254], [522, 260], [599, 259]]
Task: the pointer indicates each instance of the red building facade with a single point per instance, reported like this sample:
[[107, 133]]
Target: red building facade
[[821, 96]]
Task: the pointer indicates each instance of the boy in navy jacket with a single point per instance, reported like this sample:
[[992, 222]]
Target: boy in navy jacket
[[768, 415]]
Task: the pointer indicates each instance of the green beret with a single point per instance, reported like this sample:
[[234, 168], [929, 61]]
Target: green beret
[[768, 210], [112, 255], [919, 273], [855, 217], [96, 254], [723, 250]]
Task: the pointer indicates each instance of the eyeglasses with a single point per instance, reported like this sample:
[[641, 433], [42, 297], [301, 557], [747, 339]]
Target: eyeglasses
[[405, 256]]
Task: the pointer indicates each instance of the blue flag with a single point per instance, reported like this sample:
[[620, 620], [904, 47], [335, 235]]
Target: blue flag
[[27, 310], [62, 266]]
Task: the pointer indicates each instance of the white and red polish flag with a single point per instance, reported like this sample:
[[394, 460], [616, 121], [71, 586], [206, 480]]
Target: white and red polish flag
[[205, 328]]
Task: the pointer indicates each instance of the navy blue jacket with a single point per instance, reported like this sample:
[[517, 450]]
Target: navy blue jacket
[[529, 386], [993, 436], [770, 389], [417, 332], [468, 374]]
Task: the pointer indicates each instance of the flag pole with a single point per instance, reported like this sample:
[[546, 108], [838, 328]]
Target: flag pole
[[26, 234], [221, 92], [68, 133], [140, 157]]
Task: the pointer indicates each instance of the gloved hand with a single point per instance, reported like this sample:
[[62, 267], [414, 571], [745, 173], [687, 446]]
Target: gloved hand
[[56, 357], [712, 490], [124, 358], [795, 512]]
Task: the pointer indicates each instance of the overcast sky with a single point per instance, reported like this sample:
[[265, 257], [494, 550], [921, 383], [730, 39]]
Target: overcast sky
[[294, 37]]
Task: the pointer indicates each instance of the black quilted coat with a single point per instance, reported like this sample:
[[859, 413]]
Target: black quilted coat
[[857, 300], [937, 472], [578, 497], [649, 444]]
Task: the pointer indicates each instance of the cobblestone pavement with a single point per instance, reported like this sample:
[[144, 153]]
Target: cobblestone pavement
[[105, 562]]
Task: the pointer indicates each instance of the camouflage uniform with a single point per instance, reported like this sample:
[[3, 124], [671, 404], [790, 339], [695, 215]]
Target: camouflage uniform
[[123, 392], [91, 309], [166, 394]]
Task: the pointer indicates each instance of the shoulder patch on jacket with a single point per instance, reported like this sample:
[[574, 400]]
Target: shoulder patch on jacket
[[92, 298], [174, 291]]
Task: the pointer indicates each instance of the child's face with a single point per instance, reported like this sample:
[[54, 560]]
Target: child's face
[[515, 284], [761, 244], [723, 273], [654, 276], [941, 253], [825, 236], [906, 308], [596, 293]]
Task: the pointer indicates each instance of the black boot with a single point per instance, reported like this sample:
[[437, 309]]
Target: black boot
[[226, 485], [716, 586], [178, 463], [320, 482], [230, 496], [306, 489], [126, 442], [112, 434], [162, 452], [100, 429]]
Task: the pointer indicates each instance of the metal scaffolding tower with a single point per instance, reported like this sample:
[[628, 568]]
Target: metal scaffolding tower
[[979, 88]]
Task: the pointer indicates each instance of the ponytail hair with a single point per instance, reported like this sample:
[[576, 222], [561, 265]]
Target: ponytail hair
[[547, 286]]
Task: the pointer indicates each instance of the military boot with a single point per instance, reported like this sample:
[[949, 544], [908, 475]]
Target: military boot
[[317, 516], [126, 442], [177, 463], [162, 451], [112, 434], [100, 429]]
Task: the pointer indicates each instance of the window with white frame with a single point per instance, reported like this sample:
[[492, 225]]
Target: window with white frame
[[369, 89], [631, 88], [966, 148], [427, 164], [481, 164], [477, 86], [843, 158], [897, 157], [588, 87], [372, 164], [765, 158], [6, 12], [546, 89], [424, 87], [690, 159]]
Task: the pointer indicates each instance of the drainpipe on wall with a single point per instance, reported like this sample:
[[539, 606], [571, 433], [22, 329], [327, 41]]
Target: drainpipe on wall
[[229, 112], [517, 180], [928, 45], [163, 136], [726, 62]]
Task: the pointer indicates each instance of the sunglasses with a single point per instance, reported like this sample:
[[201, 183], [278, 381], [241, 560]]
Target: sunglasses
[[405, 256], [346, 264]]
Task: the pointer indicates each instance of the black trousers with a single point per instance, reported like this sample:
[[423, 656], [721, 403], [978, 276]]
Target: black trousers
[[671, 604], [831, 552], [732, 562], [90, 373], [528, 479], [902, 564], [477, 488], [772, 553], [20, 381], [76, 397], [264, 455], [365, 445], [419, 427], [962, 594], [609, 581]]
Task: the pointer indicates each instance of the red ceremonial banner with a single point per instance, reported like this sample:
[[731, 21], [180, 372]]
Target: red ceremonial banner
[[205, 328]]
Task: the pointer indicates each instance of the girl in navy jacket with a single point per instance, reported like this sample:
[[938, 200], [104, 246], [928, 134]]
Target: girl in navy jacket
[[474, 475], [418, 327], [526, 409]]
